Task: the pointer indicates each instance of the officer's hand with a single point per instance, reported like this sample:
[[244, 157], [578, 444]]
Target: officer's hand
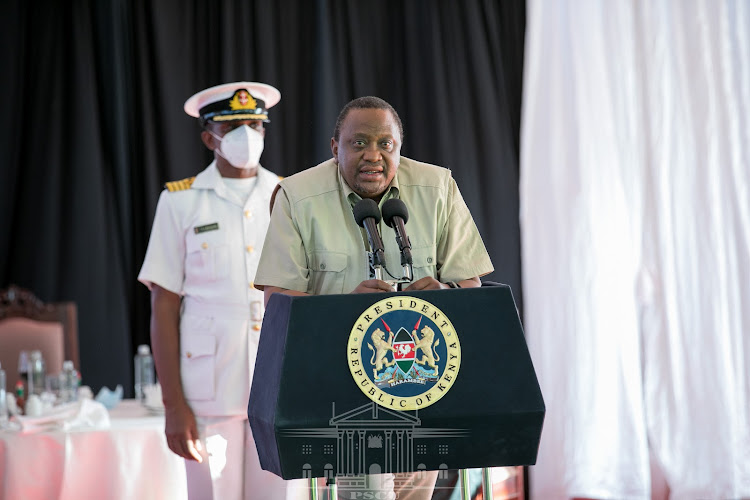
[[182, 432], [373, 286], [426, 283]]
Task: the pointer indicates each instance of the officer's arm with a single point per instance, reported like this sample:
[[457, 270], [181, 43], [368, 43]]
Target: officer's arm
[[165, 340], [180, 428]]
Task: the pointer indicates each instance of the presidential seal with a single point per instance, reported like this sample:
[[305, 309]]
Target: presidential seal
[[404, 353]]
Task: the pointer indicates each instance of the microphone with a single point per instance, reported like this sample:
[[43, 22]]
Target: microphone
[[367, 215], [396, 215]]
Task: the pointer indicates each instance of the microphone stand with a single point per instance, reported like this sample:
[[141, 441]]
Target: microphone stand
[[395, 215], [377, 262], [406, 262], [367, 215]]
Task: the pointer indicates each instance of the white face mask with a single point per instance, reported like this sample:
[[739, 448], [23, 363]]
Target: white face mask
[[241, 147]]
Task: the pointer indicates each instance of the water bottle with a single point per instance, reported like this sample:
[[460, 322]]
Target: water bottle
[[23, 367], [3, 400], [144, 371], [37, 373], [68, 382]]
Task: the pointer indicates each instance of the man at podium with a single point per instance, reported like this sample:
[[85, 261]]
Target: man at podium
[[316, 246]]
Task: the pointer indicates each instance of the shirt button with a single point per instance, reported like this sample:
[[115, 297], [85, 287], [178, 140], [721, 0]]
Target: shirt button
[[323, 265], [248, 214], [256, 327], [204, 245], [249, 248], [189, 354], [429, 260]]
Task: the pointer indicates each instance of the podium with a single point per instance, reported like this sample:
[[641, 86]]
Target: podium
[[356, 384]]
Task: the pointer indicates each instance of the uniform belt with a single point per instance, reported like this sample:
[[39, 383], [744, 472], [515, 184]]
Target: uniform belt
[[234, 311]]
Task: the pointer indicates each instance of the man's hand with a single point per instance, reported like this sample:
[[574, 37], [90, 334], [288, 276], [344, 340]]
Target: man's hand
[[182, 432], [373, 286], [426, 283]]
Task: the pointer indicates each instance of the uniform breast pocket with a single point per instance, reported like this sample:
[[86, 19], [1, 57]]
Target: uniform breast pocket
[[198, 366], [327, 272], [207, 256], [425, 262]]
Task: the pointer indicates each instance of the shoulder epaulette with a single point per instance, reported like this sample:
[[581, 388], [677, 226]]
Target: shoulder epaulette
[[179, 185]]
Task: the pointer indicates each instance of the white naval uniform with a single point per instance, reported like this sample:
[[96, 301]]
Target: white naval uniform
[[205, 245]]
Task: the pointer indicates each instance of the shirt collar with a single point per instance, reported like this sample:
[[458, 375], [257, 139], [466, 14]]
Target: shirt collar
[[210, 178]]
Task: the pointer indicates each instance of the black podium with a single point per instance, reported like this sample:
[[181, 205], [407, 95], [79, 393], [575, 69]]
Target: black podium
[[334, 371]]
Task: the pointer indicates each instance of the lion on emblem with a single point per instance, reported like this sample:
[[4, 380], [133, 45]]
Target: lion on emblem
[[429, 355], [380, 351]]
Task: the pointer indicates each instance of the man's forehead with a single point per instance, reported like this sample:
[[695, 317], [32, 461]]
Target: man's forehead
[[370, 122], [369, 114], [379, 132]]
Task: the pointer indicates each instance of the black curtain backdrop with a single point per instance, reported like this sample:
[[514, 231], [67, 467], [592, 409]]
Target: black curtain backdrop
[[92, 94]]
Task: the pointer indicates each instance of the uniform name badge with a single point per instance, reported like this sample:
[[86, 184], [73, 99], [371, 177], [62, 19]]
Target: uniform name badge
[[207, 227]]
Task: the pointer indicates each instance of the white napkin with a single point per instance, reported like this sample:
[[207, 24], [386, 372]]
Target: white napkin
[[109, 398], [84, 414]]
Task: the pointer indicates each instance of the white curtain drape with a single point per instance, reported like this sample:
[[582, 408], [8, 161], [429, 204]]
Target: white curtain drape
[[635, 216]]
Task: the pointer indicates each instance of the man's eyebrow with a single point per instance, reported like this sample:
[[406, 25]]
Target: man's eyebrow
[[365, 135]]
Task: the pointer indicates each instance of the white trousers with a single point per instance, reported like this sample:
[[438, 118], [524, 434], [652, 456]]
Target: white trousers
[[231, 468]]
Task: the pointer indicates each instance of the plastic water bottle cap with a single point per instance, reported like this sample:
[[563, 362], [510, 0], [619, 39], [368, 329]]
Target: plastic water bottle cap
[[144, 349]]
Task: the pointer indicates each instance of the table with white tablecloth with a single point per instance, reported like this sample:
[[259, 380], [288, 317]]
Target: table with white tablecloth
[[128, 460]]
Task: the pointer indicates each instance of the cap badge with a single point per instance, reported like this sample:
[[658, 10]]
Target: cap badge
[[242, 100]]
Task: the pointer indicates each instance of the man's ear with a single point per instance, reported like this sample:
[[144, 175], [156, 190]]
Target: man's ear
[[335, 150], [208, 140]]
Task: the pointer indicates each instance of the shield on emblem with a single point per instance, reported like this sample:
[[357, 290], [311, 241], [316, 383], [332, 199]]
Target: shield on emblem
[[403, 350]]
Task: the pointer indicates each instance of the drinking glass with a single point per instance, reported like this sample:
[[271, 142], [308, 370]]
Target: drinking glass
[[52, 384]]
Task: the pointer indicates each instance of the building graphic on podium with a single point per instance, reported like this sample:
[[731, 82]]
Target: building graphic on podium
[[373, 440]]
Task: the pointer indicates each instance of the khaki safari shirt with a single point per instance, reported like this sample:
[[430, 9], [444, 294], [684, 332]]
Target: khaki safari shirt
[[314, 244]]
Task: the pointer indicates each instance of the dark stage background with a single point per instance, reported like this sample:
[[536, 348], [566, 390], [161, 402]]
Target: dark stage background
[[92, 93]]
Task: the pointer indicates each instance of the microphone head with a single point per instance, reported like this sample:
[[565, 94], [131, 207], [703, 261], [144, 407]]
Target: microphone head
[[364, 209], [394, 208]]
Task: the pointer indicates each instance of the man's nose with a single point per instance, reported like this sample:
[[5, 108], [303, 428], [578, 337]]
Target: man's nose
[[372, 153]]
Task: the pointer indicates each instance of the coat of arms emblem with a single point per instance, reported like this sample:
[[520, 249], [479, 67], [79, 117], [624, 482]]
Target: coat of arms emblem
[[404, 353]]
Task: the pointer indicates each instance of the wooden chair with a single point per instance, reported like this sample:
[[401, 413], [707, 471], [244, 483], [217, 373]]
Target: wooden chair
[[27, 323]]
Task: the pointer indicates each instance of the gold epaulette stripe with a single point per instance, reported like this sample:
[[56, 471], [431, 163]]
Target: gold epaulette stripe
[[180, 185]]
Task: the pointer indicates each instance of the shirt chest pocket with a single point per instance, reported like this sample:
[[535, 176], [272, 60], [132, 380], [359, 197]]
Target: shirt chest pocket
[[424, 262], [207, 256], [327, 272]]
